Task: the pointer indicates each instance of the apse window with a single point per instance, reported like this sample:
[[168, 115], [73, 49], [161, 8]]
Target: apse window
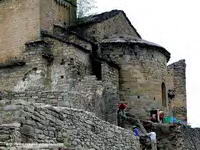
[[164, 95]]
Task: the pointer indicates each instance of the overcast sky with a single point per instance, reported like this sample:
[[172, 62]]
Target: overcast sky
[[174, 24]]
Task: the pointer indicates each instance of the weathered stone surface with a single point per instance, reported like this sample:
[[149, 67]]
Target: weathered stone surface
[[16, 23], [77, 128], [178, 102], [127, 66], [10, 132], [90, 66], [191, 138], [98, 27], [17, 146], [142, 72]]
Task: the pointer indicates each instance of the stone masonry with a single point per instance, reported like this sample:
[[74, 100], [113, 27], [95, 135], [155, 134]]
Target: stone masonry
[[39, 123], [178, 102], [61, 78], [143, 70], [16, 23]]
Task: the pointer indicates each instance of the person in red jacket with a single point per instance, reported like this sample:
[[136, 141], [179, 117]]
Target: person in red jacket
[[121, 116], [121, 108]]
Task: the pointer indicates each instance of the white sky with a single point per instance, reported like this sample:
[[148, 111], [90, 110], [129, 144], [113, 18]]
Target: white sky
[[174, 24]]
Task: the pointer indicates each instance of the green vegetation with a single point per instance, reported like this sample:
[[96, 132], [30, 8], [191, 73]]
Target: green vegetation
[[85, 7]]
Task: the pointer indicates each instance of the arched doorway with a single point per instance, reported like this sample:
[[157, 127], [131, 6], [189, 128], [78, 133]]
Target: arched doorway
[[164, 95]]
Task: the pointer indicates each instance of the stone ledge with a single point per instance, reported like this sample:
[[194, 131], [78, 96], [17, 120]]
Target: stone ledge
[[33, 146]]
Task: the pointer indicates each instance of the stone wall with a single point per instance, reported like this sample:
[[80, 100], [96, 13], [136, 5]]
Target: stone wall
[[22, 20], [53, 65], [26, 76], [191, 138], [143, 70], [52, 12], [75, 128], [104, 26], [69, 63], [48, 65], [89, 94], [85, 99], [76, 39], [110, 79], [19, 23], [178, 103], [34, 146]]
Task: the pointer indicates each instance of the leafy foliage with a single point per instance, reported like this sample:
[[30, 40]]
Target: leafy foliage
[[85, 7]]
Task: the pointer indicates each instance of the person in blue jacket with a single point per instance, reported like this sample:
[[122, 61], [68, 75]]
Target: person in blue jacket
[[136, 131]]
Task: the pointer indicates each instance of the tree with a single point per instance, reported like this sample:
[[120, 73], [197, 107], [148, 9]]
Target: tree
[[85, 7]]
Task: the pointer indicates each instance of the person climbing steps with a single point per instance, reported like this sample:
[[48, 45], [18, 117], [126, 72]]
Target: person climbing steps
[[136, 131], [152, 136], [121, 115]]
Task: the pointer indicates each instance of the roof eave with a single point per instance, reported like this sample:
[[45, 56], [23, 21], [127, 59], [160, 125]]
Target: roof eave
[[160, 48]]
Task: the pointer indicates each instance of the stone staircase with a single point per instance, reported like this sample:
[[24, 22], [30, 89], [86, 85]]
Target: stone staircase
[[10, 133], [48, 126]]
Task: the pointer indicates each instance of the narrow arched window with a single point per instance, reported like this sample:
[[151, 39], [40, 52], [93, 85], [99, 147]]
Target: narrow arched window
[[164, 95]]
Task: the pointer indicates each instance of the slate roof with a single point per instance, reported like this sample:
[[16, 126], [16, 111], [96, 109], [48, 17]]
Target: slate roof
[[118, 39], [125, 39], [93, 19]]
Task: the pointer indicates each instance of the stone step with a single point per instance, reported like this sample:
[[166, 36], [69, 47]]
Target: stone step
[[34, 146], [10, 132], [43, 123]]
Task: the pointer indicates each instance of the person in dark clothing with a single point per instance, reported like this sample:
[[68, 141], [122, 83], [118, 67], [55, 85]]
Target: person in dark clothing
[[154, 115], [121, 108], [121, 114]]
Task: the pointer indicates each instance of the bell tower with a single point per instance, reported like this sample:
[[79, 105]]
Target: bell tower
[[21, 21]]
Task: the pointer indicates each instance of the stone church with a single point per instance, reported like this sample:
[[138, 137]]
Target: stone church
[[52, 64]]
